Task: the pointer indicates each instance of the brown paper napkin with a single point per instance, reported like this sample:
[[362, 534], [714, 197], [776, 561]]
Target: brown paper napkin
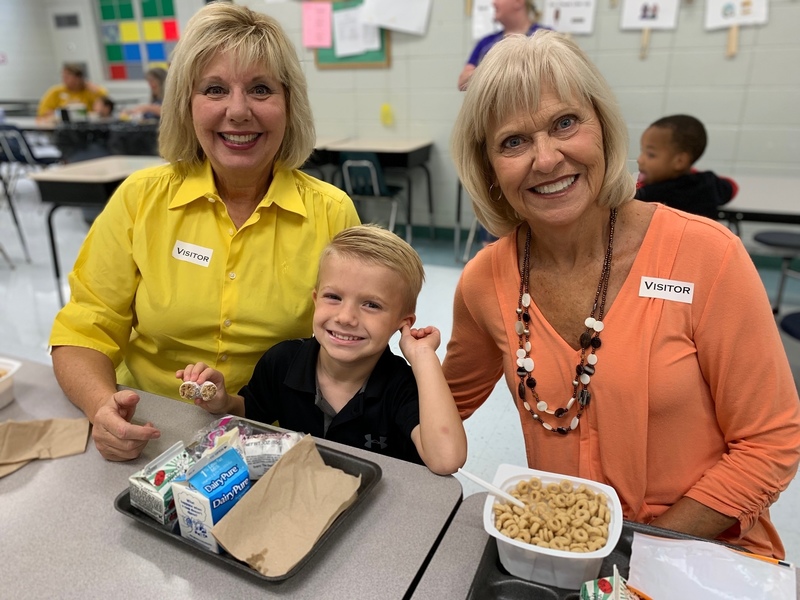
[[283, 515], [24, 441]]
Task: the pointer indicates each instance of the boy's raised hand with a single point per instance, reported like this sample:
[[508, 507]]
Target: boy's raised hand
[[200, 373], [416, 340]]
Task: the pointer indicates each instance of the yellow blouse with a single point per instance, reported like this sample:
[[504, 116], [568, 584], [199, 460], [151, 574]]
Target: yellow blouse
[[164, 278]]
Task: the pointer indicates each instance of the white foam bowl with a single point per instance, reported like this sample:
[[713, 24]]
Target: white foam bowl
[[7, 380], [559, 568]]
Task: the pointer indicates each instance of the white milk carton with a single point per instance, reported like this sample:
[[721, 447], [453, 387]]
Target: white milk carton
[[151, 488], [209, 490]]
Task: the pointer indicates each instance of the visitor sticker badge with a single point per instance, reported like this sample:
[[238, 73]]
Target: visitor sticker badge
[[192, 253], [666, 289]]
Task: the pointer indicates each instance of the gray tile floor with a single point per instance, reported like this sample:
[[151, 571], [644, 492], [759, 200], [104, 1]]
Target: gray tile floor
[[28, 303]]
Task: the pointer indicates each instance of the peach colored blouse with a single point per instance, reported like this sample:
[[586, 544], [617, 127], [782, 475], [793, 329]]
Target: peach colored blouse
[[689, 400]]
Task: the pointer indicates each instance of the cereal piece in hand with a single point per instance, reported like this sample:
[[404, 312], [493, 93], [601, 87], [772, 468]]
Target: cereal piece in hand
[[207, 391], [189, 390]]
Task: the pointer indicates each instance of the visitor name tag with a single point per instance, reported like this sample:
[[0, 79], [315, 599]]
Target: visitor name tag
[[191, 253], [666, 289]]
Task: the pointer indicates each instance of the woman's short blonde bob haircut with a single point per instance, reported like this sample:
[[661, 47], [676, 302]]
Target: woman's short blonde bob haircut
[[254, 39], [509, 81]]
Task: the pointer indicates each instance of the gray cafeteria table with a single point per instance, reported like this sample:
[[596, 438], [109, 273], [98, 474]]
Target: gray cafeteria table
[[63, 538], [453, 566]]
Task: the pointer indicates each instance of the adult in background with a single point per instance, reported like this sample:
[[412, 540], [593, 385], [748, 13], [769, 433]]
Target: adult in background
[[516, 16], [637, 341], [212, 257], [73, 89], [156, 80]]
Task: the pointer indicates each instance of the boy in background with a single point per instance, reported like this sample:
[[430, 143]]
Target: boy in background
[[345, 384], [669, 148], [103, 107]]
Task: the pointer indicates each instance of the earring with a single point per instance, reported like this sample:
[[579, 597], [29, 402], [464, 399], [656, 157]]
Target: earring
[[499, 196]]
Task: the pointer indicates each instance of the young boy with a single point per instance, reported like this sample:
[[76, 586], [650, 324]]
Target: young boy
[[345, 384], [669, 148], [103, 107]]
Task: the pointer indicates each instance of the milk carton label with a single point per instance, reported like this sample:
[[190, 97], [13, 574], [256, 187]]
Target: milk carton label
[[208, 492]]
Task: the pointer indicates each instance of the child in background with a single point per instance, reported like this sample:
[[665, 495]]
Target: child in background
[[669, 148], [103, 107], [345, 384]]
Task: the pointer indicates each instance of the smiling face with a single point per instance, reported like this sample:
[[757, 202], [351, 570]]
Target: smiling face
[[358, 306], [239, 117], [659, 158], [549, 164]]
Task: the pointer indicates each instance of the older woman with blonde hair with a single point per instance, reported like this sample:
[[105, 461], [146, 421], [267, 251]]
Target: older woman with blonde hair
[[212, 257], [637, 341]]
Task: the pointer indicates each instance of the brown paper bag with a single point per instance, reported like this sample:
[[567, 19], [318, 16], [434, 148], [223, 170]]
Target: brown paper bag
[[24, 441], [284, 514]]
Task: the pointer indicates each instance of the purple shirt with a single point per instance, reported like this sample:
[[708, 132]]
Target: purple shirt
[[485, 44]]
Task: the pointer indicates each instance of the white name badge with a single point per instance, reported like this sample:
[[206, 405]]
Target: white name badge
[[666, 289], [191, 253]]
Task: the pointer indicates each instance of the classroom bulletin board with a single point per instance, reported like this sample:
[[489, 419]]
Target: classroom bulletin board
[[325, 58]]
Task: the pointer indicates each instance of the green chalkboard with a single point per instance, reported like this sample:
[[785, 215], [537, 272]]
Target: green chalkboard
[[325, 58]]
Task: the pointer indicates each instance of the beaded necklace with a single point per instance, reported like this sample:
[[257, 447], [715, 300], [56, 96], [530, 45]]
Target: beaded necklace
[[589, 342]]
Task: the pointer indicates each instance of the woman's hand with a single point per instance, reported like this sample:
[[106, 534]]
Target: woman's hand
[[115, 437]]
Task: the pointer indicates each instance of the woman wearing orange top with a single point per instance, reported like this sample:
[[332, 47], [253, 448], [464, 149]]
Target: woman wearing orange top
[[637, 341]]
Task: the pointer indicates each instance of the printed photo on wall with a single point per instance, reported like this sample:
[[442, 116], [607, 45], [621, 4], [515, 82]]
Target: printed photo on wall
[[649, 14], [726, 13], [570, 16]]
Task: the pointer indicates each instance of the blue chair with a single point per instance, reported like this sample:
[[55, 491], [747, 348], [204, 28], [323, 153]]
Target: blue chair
[[363, 180], [791, 324], [787, 245]]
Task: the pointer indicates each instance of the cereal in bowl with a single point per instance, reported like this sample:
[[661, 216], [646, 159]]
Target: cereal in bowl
[[557, 516]]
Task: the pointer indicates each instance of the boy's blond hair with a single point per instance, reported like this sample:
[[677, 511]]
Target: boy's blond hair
[[375, 245]]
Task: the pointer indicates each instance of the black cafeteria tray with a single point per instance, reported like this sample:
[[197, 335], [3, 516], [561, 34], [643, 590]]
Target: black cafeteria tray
[[492, 582], [353, 465]]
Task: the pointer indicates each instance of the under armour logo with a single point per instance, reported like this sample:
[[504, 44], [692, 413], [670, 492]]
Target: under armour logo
[[381, 441]]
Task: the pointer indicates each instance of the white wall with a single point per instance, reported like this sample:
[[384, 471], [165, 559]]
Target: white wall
[[27, 49], [750, 104]]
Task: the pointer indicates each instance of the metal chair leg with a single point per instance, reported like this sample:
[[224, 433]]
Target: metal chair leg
[[457, 229], [470, 239], [393, 216], [786, 263], [8, 259], [14, 216]]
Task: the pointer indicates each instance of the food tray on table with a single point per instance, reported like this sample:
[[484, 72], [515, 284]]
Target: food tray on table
[[370, 474], [492, 582]]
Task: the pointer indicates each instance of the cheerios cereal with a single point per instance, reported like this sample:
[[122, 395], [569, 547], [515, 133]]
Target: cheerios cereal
[[556, 515]]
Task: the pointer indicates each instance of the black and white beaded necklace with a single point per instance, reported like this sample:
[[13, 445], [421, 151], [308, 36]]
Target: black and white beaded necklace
[[589, 342]]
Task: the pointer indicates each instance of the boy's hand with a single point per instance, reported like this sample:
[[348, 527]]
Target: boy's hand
[[200, 373], [416, 341]]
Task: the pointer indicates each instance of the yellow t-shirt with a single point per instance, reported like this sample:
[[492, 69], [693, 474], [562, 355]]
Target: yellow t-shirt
[[59, 96], [164, 278]]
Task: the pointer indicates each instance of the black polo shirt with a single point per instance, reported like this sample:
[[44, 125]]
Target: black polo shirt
[[380, 418]]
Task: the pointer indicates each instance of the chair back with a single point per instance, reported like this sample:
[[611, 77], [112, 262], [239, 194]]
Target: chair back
[[362, 174], [14, 147]]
